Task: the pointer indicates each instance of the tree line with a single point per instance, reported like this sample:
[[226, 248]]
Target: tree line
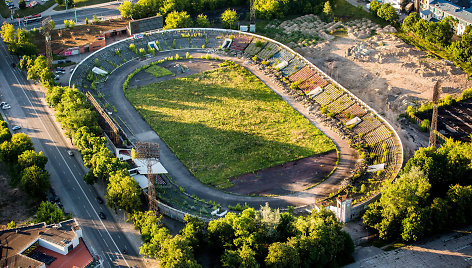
[[79, 121], [267, 9], [432, 194], [18, 41], [264, 238]]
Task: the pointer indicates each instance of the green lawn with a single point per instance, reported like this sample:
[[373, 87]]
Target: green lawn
[[20, 13], [82, 3], [226, 122], [158, 71]]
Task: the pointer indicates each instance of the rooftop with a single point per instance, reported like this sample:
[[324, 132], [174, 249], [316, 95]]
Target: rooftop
[[14, 241], [453, 10]]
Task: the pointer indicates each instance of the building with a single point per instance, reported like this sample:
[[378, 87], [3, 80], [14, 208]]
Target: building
[[42, 245], [436, 10]]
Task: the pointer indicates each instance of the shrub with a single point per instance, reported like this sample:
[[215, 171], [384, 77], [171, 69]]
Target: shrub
[[142, 52], [132, 47], [424, 125]]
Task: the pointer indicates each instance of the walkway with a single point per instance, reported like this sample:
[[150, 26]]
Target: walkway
[[138, 130]]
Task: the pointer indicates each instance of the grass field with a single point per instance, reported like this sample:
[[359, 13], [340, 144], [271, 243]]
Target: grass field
[[226, 122], [158, 71]]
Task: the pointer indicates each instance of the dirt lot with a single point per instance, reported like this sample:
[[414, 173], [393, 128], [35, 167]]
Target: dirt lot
[[78, 35], [388, 75], [13, 202], [289, 177]]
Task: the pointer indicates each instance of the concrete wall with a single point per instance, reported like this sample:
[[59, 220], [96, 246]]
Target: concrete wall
[[54, 247]]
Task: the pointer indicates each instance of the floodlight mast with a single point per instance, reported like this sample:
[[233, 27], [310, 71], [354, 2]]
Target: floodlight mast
[[47, 27], [149, 153], [434, 119]]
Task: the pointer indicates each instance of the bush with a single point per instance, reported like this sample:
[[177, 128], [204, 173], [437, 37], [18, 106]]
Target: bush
[[424, 125]]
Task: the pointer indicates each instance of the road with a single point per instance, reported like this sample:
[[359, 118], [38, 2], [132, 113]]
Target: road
[[78, 15], [104, 238]]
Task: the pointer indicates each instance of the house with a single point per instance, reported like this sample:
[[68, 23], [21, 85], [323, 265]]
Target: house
[[42, 245], [436, 10]]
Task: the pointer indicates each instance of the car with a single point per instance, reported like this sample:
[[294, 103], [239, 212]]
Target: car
[[100, 200], [70, 152], [57, 77], [102, 215], [3, 103], [6, 107], [60, 62], [16, 128], [60, 69], [71, 70]]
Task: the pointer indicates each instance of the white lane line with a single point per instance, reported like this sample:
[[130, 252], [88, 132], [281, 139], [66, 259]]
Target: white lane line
[[67, 165]]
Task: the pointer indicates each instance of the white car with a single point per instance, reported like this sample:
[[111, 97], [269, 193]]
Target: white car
[[6, 107], [16, 128]]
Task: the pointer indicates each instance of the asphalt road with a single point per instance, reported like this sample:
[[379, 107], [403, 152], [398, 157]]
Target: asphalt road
[[78, 15], [104, 238]]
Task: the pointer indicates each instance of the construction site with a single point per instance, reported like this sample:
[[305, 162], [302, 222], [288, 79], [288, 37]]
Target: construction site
[[388, 74]]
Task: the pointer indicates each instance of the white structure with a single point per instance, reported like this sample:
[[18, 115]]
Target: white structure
[[99, 71], [343, 209], [436, 10]]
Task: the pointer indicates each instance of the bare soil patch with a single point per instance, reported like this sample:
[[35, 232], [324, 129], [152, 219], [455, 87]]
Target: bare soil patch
[[79, 35], [387, 74], [289, 177], [13, 201]]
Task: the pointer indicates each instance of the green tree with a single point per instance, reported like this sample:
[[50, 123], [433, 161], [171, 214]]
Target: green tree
[[10, 150], [35, 181], [126, 9], [53, 24], [8, 33], [328, 13], [5, 134], [388, 13], [409, 191], [31, 158], [229, 18], [283, 255], [22, 4], [202, 21], [193, 231], [86, 21], [177, 19], [176, 252], [374, 6], [48, 213], [408, 24], [269, 9], [123, 192]]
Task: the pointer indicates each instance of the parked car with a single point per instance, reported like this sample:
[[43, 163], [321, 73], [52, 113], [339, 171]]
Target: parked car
[[57, 77], [16, 128], [6, 107], [100, 200], [102, 215], [70, 152], [3, 103]]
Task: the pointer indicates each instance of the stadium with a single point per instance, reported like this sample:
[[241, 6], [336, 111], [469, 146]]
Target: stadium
[[379, 148]]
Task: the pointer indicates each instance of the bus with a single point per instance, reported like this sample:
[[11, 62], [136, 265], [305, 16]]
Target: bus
[[32, 18]]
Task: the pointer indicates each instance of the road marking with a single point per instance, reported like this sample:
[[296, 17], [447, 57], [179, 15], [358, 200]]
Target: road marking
[[75, 178]]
